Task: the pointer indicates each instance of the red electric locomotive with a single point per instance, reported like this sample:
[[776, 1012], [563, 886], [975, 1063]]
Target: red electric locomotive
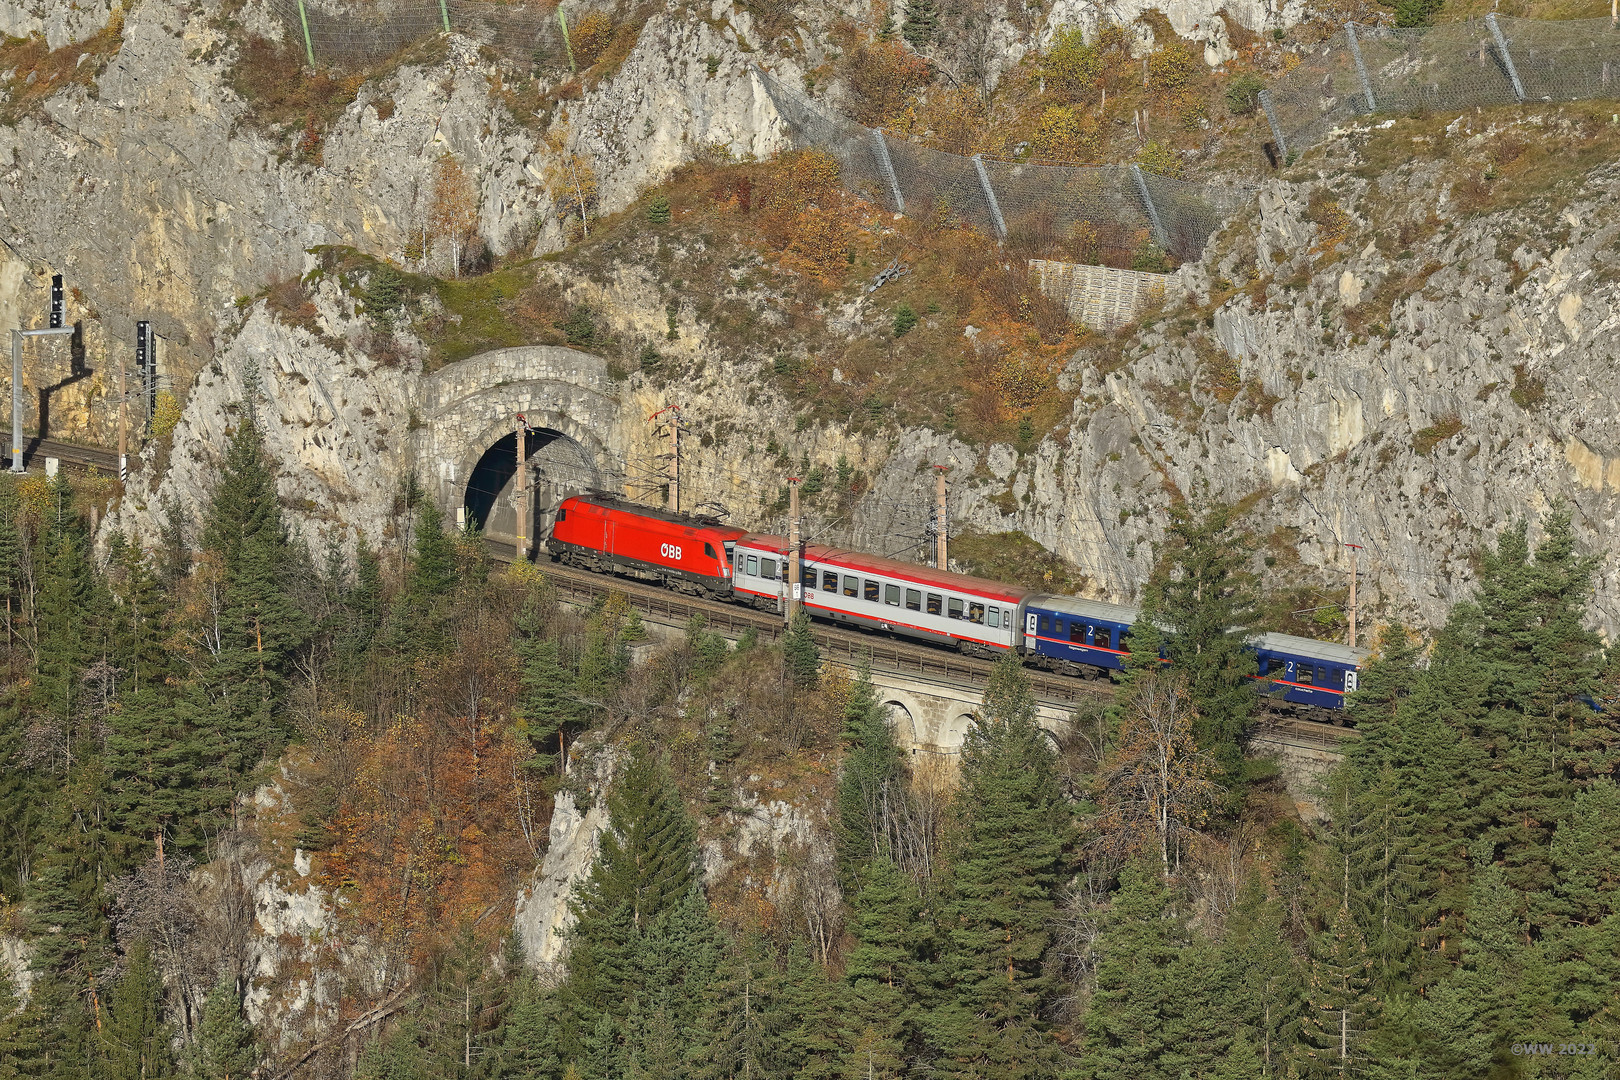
[[603, 533]]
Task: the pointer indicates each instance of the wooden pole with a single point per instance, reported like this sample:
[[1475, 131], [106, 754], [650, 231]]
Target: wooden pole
[[793, 549], [942, 554]]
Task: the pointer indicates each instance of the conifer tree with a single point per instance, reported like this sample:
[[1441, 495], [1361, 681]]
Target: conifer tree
[[529, 1042], [260, 625], [1000, 898], [1137, 1021], [646, 867], [799, 652], [1339, 1001], [869, 782], [1201, 614], [547, 704], [1264, 977], [922, 22], [433, 570], [1586, 851], [882, 973], [133, 1044], [225, 1048]]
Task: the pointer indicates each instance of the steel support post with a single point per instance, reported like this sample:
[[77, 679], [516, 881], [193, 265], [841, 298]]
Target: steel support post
[[880, 150], [309, 47], [1507, 57], [1361, 67], [1160, 236], [990, 198], [1276, 132]]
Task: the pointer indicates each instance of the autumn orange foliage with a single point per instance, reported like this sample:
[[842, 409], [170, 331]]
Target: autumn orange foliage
[[883, 75]]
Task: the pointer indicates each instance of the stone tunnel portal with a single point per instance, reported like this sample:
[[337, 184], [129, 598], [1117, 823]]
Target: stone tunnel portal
[[558, 466]]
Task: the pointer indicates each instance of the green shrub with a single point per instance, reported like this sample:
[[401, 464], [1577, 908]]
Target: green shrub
[[580, 327], [658, 210], [1074, 67], [904, 320], [1415, 12], [1156, 157], [1150, 259], [1243, 93]]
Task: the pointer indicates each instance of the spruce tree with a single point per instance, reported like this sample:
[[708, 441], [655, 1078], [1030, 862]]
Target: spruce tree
[[1000, 899], [646, 867], [799, 652], [529, 1042], [1137, 1021], [133, 1044], [870, 783], [260, 626], [1200, 611], [547, 704], [433, 570], [225, 1048], [922, 22], [883, 972], [1339, 1001]]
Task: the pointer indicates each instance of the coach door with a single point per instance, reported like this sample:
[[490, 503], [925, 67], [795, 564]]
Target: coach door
[[1029, 631]]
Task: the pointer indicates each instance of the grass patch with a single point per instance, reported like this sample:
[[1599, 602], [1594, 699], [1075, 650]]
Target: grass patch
[[1017, 559], [34, 71], [1447, 427]]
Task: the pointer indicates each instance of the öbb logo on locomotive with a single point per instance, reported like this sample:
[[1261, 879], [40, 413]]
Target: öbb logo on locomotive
[[1068, 635]]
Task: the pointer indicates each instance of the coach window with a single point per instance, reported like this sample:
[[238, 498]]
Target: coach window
[[871, 591], [1304, 675], [994, 618], [953, 609], [753, 566], [1077, 632], [913, 599], [829, 582], [1275, 664], [976, 613], [934, 601], [852, 585], [1046, 624], [767, 569], [891, 595]]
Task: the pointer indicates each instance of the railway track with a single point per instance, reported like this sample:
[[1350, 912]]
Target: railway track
[[35, 451], [851, 647]]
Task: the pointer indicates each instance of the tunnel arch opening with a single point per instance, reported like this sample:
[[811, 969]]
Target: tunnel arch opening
[[558, 466]]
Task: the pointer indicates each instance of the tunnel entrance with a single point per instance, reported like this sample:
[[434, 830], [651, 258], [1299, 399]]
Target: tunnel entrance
[[558, 467]]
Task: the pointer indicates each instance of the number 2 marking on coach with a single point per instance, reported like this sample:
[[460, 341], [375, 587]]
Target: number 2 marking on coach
[[670, 551]]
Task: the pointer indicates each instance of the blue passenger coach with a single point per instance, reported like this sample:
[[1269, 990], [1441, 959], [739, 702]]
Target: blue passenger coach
[[1306, 671], [1075, 636]]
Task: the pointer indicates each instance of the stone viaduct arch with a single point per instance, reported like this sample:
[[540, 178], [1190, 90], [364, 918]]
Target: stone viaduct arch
[[464, 430]]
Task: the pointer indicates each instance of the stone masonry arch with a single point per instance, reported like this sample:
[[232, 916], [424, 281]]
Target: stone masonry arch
[[469, 406]]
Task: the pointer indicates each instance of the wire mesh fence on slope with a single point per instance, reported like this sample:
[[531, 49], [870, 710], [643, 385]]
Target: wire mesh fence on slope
[[1497, 60], [1010, 197], [335, 33]]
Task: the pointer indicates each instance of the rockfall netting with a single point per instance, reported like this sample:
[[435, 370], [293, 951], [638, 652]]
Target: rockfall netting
[[1009, 197], [336, 33], [1496, 60]]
